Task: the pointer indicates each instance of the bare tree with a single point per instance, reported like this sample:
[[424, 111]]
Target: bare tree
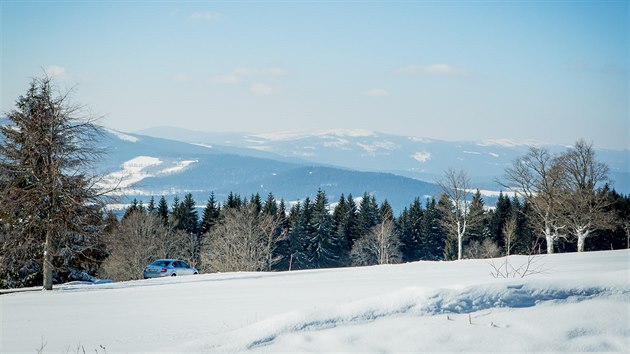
[[584, 204], [509, 233], [537, 177], [380, 246], [45, 163], [456, 186], [243, 241], [484, 249], [140, 239]]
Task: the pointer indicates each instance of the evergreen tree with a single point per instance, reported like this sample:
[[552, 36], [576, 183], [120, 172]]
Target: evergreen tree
[[323, 246], [270, 206], [132, 208], [409, 226], [300, 231], [175, 216], [368, 214], [501, 214], [386, 211], [234, 201], [162, 210], [151, 207], [476, 232], [210, 215], [47, 187], [256, 202], [432, 232], [188, 217]]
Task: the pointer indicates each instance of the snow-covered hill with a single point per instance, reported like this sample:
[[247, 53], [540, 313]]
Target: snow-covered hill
[[143, 166], [580, 303], [420, 158]]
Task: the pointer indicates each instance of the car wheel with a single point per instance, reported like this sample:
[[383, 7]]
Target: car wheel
[[195, 273], [173, 274]]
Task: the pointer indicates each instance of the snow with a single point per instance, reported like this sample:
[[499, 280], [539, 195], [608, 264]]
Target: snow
[[508, 143], [139, 168], [422, 156], [132, 171], [123, 136], [179, 166], [297, 135], [579, 304]]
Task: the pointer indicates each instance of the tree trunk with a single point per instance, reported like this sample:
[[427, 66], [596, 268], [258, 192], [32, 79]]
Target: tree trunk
[[581, 236], [550, 240], [48, 266]]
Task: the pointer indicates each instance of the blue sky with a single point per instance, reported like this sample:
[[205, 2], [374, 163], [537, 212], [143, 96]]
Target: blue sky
[[550, 71]]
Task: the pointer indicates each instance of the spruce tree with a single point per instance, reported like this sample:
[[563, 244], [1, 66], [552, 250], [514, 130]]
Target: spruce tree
[[501, 214], [188, 217], [368, 214], [162, 210], [47, 184], [270, 206], [323, 246], [433, 234], [151, 207], [210, 215], [410, 228]]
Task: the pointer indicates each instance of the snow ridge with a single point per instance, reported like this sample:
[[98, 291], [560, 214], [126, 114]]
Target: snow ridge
[[415, 302]]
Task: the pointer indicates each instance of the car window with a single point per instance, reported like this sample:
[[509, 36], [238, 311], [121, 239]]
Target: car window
[[160, 263], [177, 264], [184, 264]]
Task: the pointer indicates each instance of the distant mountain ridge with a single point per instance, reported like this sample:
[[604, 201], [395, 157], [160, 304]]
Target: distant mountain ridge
[[418, 158], [143, 166]]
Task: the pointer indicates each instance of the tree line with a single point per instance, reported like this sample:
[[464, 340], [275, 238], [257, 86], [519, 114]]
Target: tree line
[[53, 227]]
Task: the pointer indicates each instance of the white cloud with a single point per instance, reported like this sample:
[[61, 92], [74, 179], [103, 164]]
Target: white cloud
[[433, 70], [421, 156], [208, 16], [261, 89], [56, 71], [375, 92]]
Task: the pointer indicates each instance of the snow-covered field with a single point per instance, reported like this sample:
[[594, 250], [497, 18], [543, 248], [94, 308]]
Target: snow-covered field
[[581, 303]]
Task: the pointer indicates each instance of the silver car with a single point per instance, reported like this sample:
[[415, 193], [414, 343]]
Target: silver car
[[168, 268]]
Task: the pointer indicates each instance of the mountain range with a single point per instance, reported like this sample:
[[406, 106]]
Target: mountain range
[[168, 161]]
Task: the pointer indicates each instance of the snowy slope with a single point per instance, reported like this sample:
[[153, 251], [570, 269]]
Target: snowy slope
[[414, 157], [579, 304], [142, 166]]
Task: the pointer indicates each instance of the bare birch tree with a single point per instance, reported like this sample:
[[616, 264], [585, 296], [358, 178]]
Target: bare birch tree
[[140, 239], [243, 241], [583, 203], [537, 177], [456, 186], [380, 246], [509, 233]]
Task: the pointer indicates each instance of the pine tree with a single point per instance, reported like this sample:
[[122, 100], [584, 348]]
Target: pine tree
[[432, 232], [162, 210], [409, 225], [46, 182], [368, 214], [270, 207], [188, 217], [300, 231], [501, 214], [323, 245], [210, 215], [151, 207]]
